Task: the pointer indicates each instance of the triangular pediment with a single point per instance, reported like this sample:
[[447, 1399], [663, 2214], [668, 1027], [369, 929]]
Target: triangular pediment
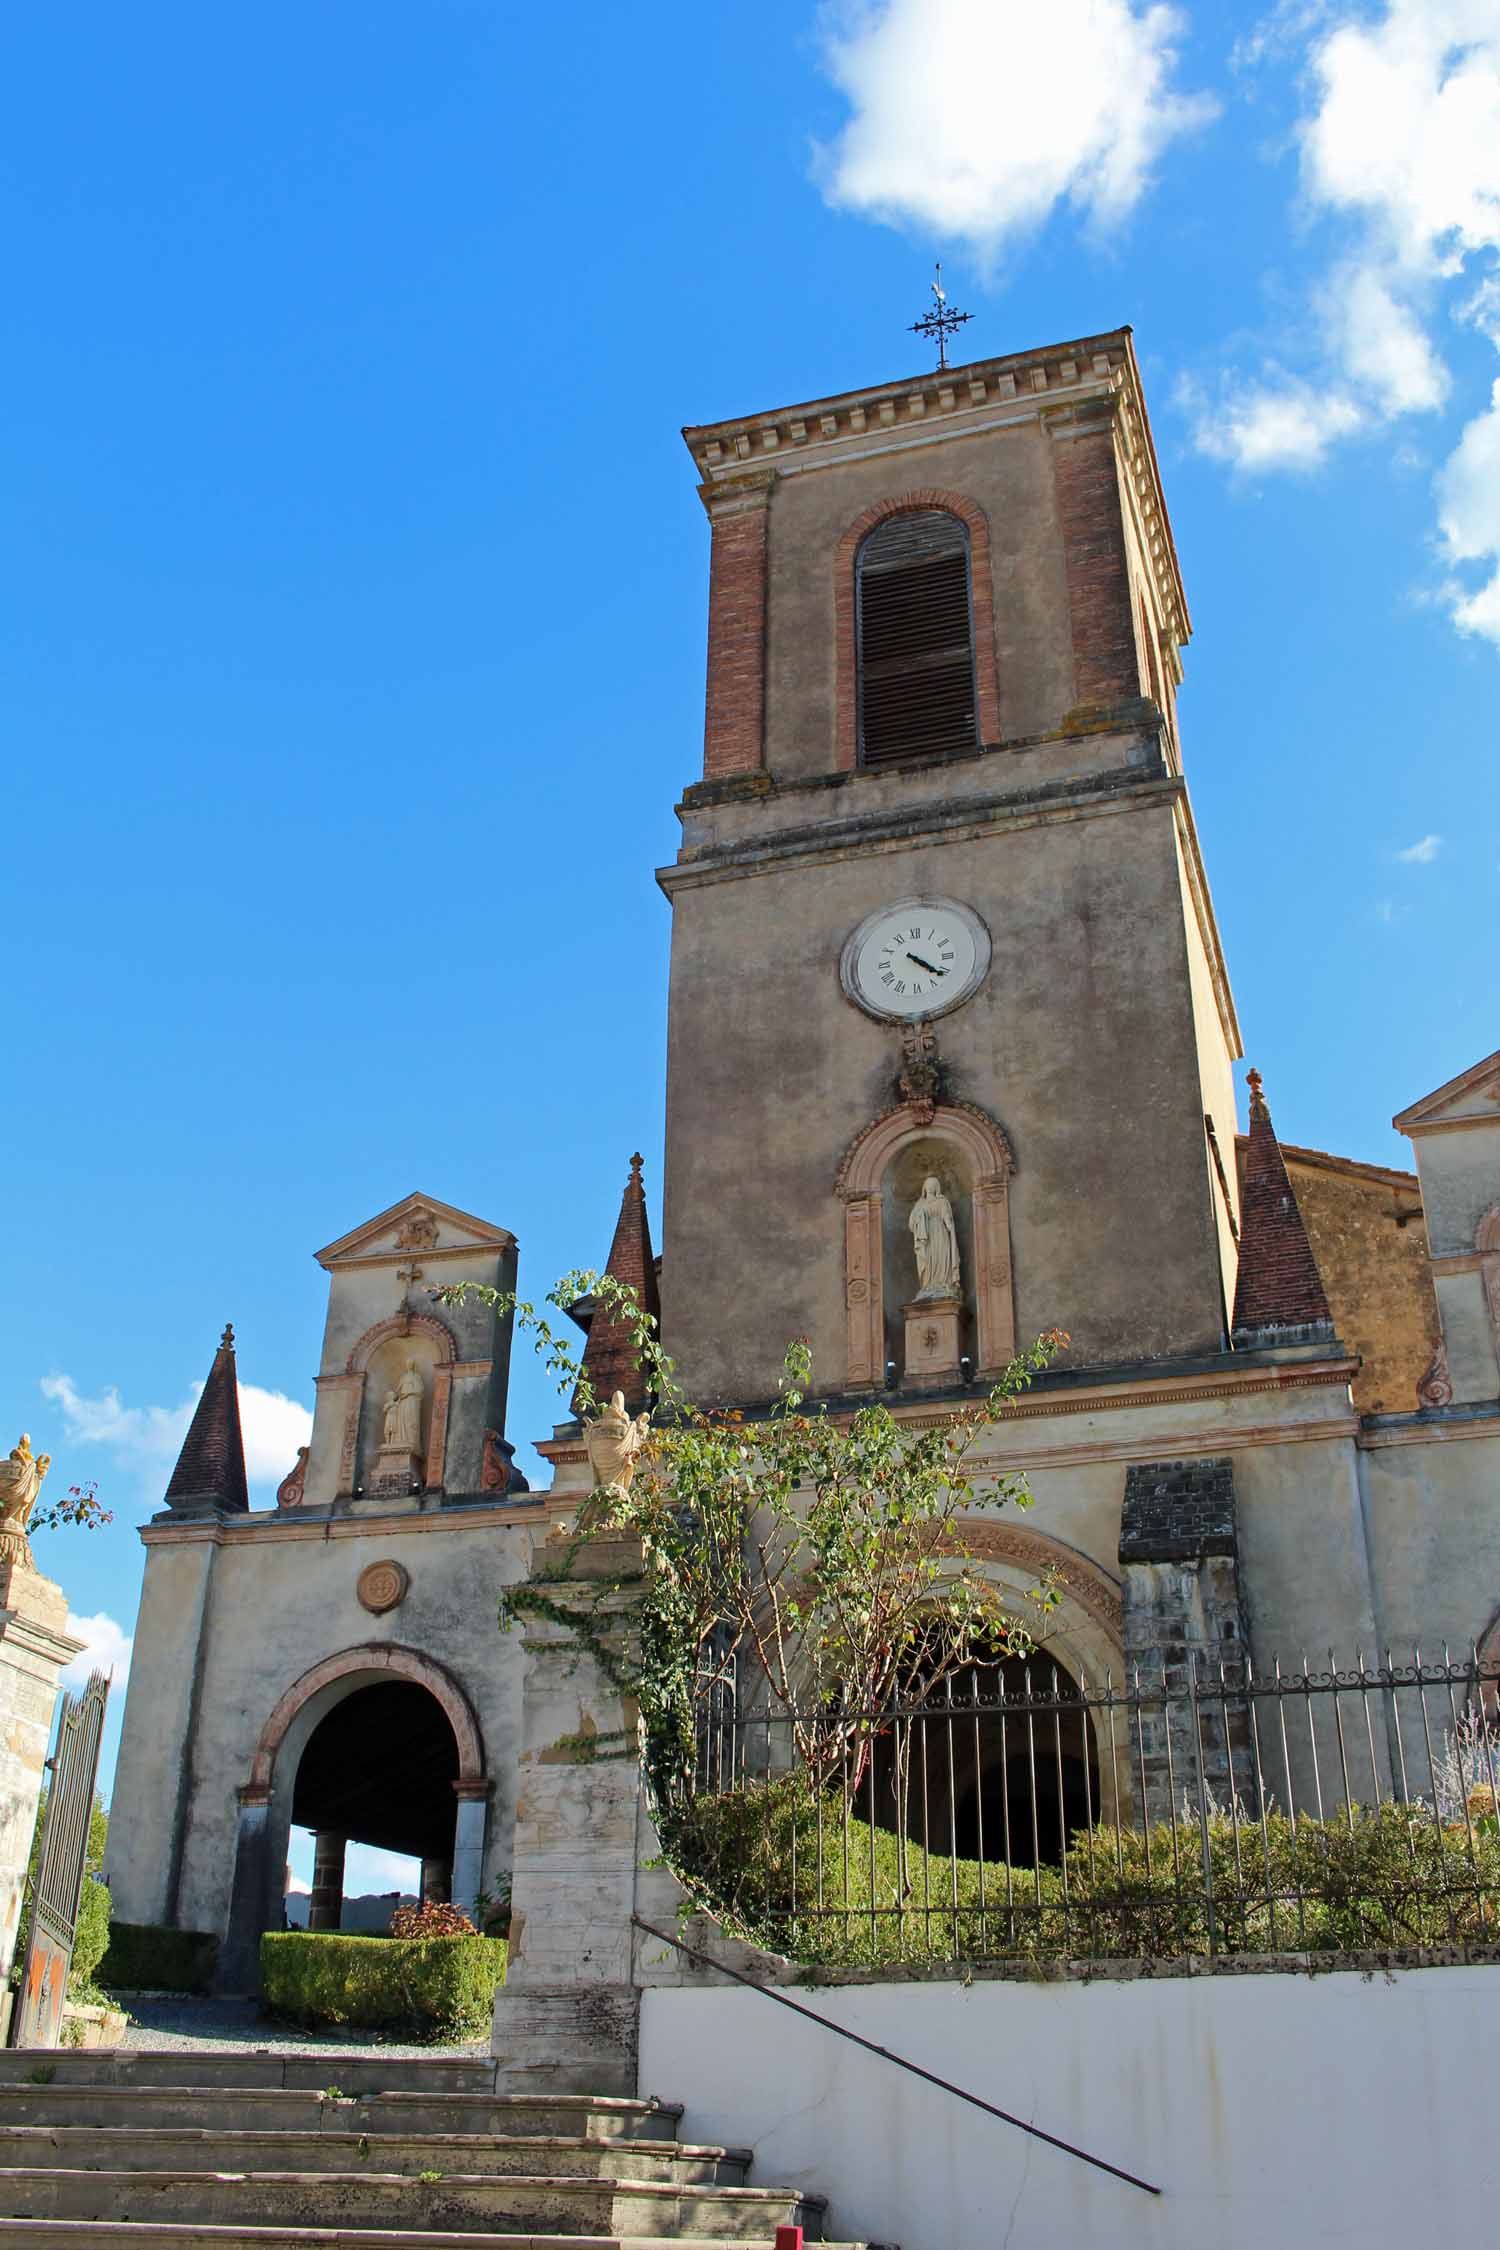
[[1473, 1098], [419, 1224]]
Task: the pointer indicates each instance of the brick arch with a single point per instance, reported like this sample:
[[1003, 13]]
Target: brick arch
[[380, 1659], [982, 594], [860, 1184]]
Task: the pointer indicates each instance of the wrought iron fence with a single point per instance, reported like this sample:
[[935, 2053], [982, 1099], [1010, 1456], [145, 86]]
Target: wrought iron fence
[[1188, 1810]]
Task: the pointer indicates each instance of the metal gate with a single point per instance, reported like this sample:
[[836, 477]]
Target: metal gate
[[37, 2020]]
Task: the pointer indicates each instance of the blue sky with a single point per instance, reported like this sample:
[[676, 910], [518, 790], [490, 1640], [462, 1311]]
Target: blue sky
[[353, 596]]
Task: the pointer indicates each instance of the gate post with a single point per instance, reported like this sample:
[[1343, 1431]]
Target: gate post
[[565, 2018], [34, 1646]]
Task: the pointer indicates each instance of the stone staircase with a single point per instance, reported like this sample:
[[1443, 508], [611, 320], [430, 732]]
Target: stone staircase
[[261, 2151]]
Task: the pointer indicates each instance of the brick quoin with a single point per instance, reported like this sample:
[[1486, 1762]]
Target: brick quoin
[[982, 601], [734, 715], [1106, 667]]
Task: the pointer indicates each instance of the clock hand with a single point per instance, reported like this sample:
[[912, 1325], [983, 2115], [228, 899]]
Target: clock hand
[[932, 971]]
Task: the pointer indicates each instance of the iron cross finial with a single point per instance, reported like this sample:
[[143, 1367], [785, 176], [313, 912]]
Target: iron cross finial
[[940, 322]]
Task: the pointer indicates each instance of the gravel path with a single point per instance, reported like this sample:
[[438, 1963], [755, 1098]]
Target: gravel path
[[171, 2022]]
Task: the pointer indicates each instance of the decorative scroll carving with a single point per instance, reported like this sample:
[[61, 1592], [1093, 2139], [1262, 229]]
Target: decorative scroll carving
[[290, 1491], [1436, 1386]]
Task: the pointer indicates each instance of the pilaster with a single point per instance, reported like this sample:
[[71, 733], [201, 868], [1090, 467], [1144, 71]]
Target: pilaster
[[34, 1647]]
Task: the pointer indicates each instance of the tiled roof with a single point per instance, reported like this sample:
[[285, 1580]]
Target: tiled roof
[[1279, 1285], [610, 1360], [211, 1466]]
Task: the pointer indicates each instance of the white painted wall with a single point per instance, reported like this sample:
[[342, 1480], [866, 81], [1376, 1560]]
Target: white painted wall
[[1276, 2108]]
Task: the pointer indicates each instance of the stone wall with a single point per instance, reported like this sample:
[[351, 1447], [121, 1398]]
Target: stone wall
[[34, 1646], [1369, 1237]]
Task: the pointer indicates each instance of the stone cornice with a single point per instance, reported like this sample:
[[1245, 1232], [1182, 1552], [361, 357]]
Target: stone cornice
[[895, 828], [295, 1523]]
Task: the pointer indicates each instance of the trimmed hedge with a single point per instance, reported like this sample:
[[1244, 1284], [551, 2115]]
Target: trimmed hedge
[[433, 1988], [148, 1957]]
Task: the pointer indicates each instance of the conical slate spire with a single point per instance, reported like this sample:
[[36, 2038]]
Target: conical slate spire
[[1279, 1286], [610, 1359], [210, 1471]]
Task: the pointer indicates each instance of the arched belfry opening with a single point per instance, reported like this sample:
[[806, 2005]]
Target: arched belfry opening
[[379, 1768]]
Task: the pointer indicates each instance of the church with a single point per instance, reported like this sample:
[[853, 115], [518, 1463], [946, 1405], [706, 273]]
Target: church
[[951, 1051]]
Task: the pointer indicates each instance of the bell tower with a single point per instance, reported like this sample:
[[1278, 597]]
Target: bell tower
[[950, 1033]]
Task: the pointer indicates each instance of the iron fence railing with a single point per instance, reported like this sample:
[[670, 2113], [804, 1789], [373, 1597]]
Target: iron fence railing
[[1192, 1808]]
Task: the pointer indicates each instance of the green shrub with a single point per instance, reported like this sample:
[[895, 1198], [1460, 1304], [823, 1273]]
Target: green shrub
[[433, 1988], [147, 1957], [799, 1879], [92, 1939]]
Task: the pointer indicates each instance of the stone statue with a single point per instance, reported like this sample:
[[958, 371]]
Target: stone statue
[[20, 1481], [935, 1242], [402, 1429], [613, 1442]]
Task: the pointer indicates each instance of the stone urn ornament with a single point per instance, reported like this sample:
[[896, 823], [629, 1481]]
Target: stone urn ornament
[[613, 1441]]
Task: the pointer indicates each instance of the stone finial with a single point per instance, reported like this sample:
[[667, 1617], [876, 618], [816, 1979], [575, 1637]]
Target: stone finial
[[210, 1471], [1279, 1295], [611, 1359], [20, 1481]]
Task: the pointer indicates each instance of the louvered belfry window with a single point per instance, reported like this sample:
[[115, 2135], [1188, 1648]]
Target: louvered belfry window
[[916, 639]]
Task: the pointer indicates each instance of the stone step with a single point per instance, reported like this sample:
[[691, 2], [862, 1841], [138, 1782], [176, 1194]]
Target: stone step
[[537, 2205], [196, 2148], [130, 2234], [70, 2101], [310, 2068]]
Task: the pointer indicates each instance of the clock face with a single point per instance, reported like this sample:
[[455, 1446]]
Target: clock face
[[920, 957]]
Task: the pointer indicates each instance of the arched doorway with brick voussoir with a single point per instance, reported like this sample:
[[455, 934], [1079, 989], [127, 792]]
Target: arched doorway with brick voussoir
[[377, 1745]]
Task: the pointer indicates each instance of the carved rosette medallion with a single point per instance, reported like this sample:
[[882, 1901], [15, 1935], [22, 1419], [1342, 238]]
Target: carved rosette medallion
[[382, 1586]]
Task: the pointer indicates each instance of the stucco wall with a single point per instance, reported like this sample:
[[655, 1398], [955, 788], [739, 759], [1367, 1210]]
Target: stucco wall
[[1080, 1043], [1433, 1508], [1336, 2109], [279, 1605]]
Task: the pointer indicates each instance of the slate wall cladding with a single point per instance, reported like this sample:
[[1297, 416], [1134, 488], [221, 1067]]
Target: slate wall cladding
[[1184, 1620], [1177, 1511]]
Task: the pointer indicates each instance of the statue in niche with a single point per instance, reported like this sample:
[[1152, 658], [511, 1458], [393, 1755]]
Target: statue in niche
[[935, 1242], [402, 1426]]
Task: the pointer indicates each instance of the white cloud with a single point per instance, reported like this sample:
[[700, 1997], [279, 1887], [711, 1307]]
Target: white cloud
[[1468, 493], [1288, 425], [975, 119], [148, 1439], [106, 1648], [1423, 852], [1400, 142]]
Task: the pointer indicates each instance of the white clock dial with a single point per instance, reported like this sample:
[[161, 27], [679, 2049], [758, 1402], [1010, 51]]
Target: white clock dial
[[920, 957]]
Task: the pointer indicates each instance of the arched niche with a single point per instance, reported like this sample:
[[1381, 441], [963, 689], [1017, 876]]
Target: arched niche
[[1487, 1243], [878, 1181], [375, 1366]]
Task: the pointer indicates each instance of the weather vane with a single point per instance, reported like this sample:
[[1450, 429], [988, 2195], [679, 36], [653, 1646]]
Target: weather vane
[[940, 322]]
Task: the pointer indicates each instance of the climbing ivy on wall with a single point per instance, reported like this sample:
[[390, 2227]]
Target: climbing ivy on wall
[[822, 1549]]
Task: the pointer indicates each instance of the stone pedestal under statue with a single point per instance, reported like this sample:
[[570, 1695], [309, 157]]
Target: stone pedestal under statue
[[934, 1340], [395, 1471], [34, 1646]]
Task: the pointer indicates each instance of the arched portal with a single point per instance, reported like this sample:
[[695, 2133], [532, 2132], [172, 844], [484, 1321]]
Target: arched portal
[[999, 1763], [378, 1768], [378, 1744]]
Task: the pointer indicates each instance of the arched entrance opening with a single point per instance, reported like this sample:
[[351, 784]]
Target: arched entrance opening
[[378, 1768], [385, 1767], [999, 1763]]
